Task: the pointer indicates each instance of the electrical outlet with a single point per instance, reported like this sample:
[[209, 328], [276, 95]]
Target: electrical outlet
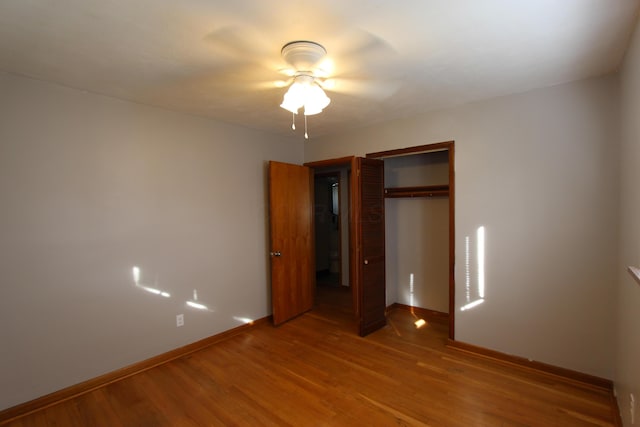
[[180, 320], [632, 407]]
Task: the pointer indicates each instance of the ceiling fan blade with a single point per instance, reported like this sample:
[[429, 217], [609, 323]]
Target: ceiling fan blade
[[358, 51], [270, 84], [233, 82], [365, 43], [245, 45], [289, 72], [377, 90]]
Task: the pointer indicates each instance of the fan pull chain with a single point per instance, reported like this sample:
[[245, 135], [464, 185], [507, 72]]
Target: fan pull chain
[[293, 121], [306, 135]]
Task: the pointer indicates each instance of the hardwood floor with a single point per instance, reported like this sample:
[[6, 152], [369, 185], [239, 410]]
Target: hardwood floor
[[315, 370]]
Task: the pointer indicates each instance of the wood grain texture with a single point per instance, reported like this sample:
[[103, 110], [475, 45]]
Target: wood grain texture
[[422, 312], [539, 366], [314, 370], [418, 191], [292, 236], [112, 377], [330, 162], [370, 231], [438, 146]]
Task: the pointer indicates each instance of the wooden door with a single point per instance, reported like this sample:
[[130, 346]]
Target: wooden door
[[370, 245], [291, 240]]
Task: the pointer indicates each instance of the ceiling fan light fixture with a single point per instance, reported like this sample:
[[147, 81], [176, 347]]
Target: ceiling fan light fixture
[[316, 100], [293, 98], [304, 92]]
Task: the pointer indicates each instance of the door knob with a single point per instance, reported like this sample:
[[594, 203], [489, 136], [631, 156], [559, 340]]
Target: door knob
[[366, 262], [275, 254]]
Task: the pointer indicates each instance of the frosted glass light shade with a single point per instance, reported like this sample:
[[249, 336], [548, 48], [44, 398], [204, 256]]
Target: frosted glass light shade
[[315, 101], [305, 93], [294, 98]]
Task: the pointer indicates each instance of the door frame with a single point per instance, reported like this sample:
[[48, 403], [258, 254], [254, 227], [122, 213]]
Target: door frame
[[354, 280], [440, 146]]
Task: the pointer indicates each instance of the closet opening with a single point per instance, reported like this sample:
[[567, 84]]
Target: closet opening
[[420, 230]]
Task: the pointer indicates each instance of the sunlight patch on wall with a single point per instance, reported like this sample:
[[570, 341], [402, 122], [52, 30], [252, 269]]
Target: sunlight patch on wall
[[152, 290], [467, 269], [243, 320], [136, 274], [419, 323], [197, 305], [411, 299], [155, 290], [471, 305], [474, 297], [480, 249], [194, 303]]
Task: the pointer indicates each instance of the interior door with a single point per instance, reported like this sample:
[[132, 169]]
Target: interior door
[[370, 245], [291, 240]]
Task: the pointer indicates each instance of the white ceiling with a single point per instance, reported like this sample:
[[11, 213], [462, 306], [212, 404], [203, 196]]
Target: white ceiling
[[220, 58]]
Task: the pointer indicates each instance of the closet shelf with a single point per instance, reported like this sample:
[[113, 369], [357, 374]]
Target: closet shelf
[[420, 191]]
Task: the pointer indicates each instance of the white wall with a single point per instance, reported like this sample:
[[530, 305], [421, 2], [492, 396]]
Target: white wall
[[627, 375], [417, 252], [90, 187], [539, 171]]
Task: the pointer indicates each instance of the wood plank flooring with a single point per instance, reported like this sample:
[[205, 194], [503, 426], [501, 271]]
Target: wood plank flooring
[[315, 371]]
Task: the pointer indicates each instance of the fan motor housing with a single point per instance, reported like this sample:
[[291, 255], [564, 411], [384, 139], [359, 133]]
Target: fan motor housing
[[303, 54]]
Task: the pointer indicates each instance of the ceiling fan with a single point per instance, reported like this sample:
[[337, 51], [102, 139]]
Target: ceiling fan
[[307, 79], [358, 66]]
